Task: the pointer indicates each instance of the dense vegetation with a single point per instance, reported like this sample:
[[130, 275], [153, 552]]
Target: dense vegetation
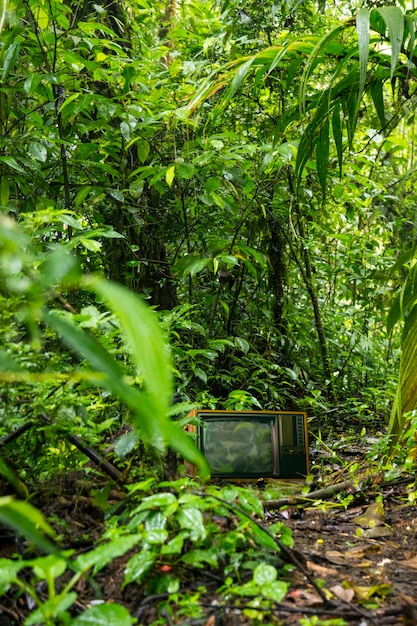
[[247, 170]]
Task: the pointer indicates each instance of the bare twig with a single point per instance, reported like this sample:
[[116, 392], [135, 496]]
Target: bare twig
[[321, 494]]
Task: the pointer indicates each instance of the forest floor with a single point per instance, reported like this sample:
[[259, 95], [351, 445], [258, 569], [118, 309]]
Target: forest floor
[[360, 551]]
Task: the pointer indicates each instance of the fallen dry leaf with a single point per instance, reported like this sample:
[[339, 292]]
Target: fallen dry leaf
[[303, 598], [410, 562], [320, 569], [374, 532], [336, 557], [342, 593]]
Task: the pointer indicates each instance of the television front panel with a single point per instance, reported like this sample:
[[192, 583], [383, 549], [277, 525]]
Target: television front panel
[[253, 444]]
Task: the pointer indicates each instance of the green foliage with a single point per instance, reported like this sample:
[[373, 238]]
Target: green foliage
[[245, 168], [143, 336], [171, 533], [26, 519], [404, 309]]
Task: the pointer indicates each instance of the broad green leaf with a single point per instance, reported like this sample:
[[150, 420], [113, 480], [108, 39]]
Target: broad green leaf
[[82, 195], [201, 374], [91, 350], [144, 337], [67, 101], [192, 519], [157, 501], [25, 519], [264, 574], [116, 194], [55, 607], [125, 130], [263, 539], [157, 520], [170, 175], [394, 19], [150, 412], [175, 545], [143, 148], [10, 57], [126, 443], [138, 566], [185, 170], [156, 536], [38, 151], [190, 265], [49, 567], [8, 363], [108, 614], [251, 504], [41, 16], [59, 265], [200, 558], [242, 344], [8, 573], [102, 555], [11, 162], [90, 244], [276, 590]]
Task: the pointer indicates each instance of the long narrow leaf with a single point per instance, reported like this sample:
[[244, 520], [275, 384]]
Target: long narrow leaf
[[363, 30], [149, 350], [25, 519], [149, 412], [322, 155], [320, 48], [338, 136], [377, 94], [394, 20]]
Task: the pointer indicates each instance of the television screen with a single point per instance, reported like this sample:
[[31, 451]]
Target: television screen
[[238, 445], [253, 444]]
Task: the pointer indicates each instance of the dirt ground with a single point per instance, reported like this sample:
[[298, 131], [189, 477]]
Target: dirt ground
[[357, 562]]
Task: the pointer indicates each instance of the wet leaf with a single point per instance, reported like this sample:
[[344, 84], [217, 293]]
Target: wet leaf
[[264, 574], [374, 533], [138, 566], [365, 593], [373, 516], [103, 615]]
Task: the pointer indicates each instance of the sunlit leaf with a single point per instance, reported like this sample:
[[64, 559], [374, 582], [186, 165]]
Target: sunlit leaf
[[149, 349], [394, 19], [363, 30], [170, 175]]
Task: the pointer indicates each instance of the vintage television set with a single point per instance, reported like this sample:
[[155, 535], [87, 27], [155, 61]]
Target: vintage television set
[[252, 444]]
